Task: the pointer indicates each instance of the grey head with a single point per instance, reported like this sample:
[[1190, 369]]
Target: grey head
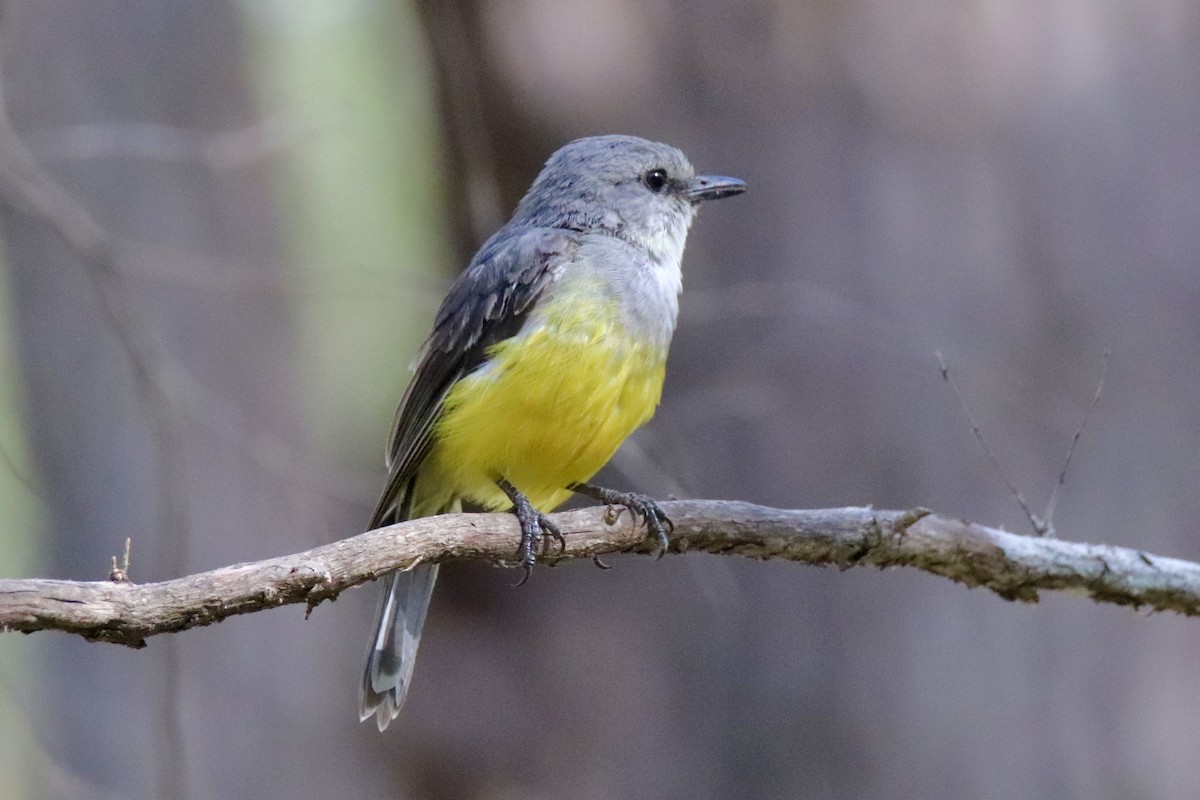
[[641, 191]]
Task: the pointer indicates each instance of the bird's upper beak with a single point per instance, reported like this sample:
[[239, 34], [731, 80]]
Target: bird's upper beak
[[714, 187]]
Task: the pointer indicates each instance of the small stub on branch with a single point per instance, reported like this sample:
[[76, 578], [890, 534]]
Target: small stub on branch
[[120, 573]]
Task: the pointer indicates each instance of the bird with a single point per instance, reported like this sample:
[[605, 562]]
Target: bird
[[547, 352]]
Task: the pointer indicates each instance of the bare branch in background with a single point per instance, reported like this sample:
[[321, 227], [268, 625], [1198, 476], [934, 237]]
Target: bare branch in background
[[217, 149], [1013, 566], [165, 387]]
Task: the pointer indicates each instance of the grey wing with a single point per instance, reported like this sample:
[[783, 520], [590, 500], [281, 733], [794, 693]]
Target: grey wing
[[487, 304]]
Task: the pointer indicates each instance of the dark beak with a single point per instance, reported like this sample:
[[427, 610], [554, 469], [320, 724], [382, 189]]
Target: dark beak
[[714, 187]]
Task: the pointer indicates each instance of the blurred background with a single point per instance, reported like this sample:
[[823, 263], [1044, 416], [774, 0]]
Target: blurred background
[[227, 226]]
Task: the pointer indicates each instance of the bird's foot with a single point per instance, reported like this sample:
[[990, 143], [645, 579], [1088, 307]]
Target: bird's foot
[[658, 525], [536, 530]]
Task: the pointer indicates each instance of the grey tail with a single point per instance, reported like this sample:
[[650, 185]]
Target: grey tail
[[393, 652]]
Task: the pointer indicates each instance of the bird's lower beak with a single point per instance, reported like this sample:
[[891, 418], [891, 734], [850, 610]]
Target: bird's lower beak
[[714, 187]]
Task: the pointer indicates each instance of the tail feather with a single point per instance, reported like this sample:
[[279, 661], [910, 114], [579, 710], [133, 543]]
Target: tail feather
[[388, 672]]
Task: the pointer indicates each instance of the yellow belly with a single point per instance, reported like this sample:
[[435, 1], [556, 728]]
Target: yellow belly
[[549, 409]]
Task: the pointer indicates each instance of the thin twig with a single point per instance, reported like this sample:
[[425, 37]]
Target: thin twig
[[1062, 476], [1040, 526]]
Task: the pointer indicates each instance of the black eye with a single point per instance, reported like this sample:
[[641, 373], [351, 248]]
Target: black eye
[[656, 180]]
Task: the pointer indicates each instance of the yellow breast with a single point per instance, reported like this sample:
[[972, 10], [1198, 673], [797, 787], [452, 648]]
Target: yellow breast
[[549, 408]]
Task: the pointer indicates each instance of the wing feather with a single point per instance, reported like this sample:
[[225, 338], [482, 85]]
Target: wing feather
[[487, 304]]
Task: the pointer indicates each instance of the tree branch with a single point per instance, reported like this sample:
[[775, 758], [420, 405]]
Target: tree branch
[[1015, 567]]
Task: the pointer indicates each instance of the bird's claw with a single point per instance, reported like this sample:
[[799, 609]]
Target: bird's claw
[[536, 531], [658, 524]]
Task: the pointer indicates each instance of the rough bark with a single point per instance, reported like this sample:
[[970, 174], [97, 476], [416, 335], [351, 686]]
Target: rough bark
[[1014, 566]]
